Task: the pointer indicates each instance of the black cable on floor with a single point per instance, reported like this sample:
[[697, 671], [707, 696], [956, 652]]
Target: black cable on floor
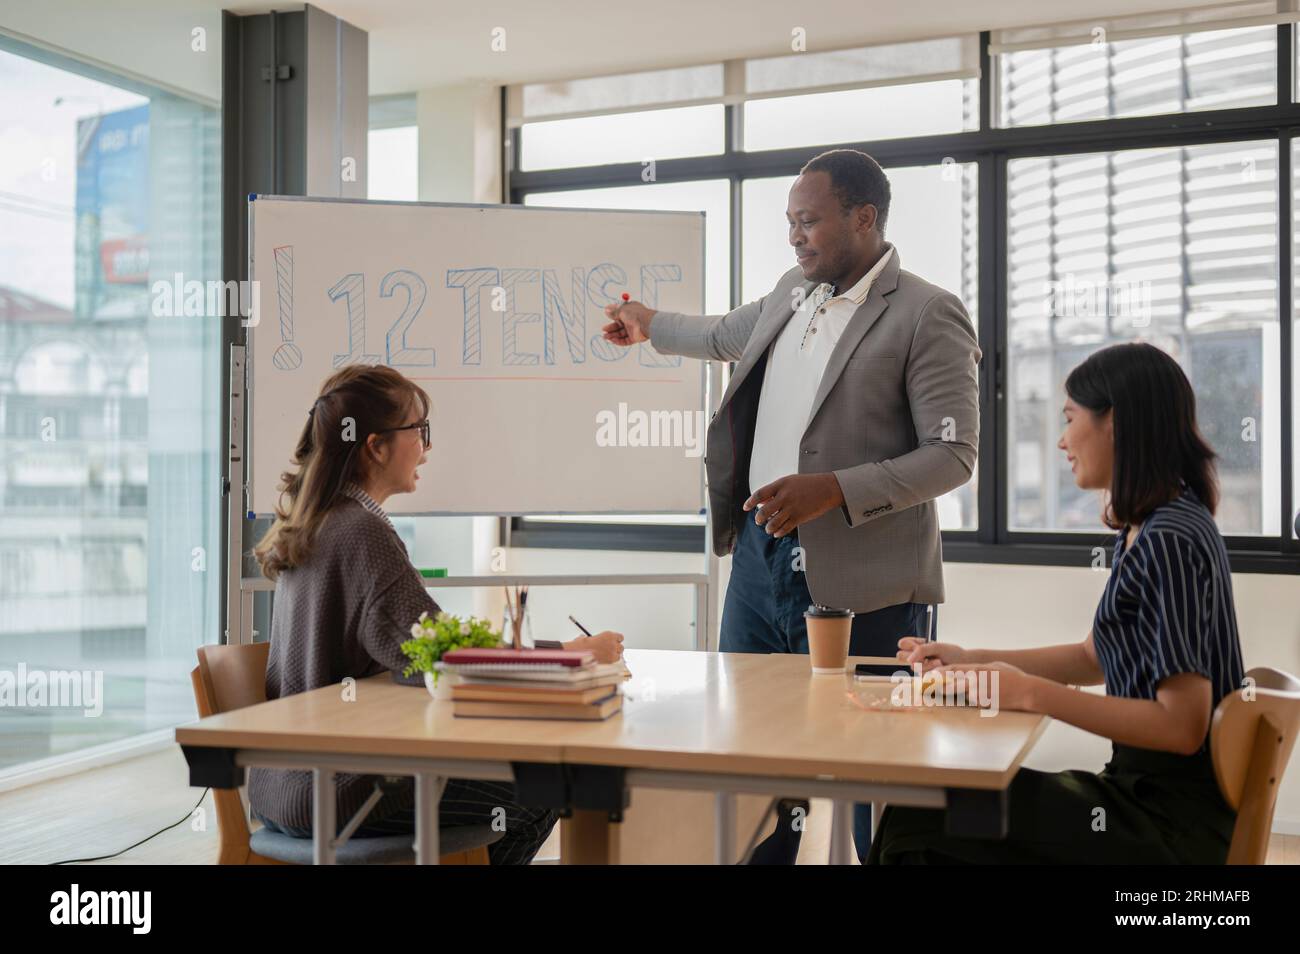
[[190, 813]]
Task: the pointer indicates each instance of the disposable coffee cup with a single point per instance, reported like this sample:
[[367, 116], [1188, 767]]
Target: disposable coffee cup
[[828, 637]]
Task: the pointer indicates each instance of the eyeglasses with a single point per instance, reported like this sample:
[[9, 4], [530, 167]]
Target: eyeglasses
[[422, 425]]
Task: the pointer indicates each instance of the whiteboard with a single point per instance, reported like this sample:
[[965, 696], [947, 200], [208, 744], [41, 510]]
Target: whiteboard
[[496, 312]]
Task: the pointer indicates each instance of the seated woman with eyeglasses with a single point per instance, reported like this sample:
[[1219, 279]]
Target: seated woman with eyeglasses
[[346, 595], [1163, 642]]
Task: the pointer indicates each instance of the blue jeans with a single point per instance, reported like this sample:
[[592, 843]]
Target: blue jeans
[[763, 613]]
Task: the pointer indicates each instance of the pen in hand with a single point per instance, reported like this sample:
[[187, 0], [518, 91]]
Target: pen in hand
[[586, 632]]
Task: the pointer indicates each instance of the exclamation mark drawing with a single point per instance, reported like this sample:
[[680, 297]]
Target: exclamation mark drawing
[[287, 357]]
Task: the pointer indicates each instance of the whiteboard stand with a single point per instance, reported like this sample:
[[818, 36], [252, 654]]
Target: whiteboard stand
[[241, 590], [233, 490]]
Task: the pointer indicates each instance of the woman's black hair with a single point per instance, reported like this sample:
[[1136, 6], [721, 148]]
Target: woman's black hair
[[1158, 447]]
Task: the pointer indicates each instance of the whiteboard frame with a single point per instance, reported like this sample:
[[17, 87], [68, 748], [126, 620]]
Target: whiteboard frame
[[250, 397]]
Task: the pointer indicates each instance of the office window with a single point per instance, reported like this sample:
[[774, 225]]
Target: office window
[[653, 134], [933, 225], [711, 197], [889, 91], [862, 115], [1142, 76], [1172, 237], [393, 164], [1176, 246], [109, 400], [393, 149]]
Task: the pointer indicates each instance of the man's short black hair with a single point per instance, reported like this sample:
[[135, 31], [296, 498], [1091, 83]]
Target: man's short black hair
[[856, 180]]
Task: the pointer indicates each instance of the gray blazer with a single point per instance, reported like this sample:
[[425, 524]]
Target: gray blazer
[[896, 419]]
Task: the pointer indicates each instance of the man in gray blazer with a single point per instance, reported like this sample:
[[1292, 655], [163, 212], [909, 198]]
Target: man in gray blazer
[[854, 403]]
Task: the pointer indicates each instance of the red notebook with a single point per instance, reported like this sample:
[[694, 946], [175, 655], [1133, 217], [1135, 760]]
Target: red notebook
[[536, 657]]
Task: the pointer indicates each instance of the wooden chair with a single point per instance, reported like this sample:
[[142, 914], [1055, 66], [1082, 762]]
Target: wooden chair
[[1251, 741], [231, 677]]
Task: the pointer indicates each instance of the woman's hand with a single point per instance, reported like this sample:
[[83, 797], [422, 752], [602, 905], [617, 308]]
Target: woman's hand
[[1012, 690], [606, 646], [914, 649]]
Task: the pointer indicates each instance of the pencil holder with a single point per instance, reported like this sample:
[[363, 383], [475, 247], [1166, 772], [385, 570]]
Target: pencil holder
[[516, 636]]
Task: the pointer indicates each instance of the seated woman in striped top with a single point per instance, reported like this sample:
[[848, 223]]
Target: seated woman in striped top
[[1163, 641], [346, 595]]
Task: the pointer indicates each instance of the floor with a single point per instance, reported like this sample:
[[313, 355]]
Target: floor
[[56, 821]]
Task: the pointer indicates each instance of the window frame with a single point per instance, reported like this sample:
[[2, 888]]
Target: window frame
[[990, 147]]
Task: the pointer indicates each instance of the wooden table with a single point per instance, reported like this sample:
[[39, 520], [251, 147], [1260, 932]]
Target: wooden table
[[722, 722]]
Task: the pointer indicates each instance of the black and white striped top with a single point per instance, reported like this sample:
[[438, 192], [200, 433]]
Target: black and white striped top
[[1167, 607]]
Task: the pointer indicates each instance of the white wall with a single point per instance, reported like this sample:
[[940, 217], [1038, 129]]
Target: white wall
[[459, 129]]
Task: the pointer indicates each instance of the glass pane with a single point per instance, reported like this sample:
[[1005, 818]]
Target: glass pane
[[934, 226], [1176, 246], [1141, 77], [626, 137], [710, 196], [862, 115], [110, 404], [393, 164], [625, 91], [896, 63]]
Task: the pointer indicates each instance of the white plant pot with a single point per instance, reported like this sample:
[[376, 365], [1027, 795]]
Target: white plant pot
[[442, 690]]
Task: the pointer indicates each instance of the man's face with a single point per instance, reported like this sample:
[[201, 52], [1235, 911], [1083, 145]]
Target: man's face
[[827, 242]]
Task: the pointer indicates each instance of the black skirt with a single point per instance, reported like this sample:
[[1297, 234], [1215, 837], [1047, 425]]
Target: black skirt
[[1144, 807]]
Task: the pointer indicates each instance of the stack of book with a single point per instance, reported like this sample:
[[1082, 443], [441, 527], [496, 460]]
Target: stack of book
[[533, 684]]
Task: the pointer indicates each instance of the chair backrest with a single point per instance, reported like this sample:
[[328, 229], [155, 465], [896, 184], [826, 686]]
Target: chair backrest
[[1252, 735], [233, 676], [228, 678]]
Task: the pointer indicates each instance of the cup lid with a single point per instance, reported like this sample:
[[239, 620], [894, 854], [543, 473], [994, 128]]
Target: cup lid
[[816, 609]]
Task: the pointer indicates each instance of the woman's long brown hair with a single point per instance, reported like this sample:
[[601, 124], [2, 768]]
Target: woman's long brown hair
[[355, 402], [1158, 446]]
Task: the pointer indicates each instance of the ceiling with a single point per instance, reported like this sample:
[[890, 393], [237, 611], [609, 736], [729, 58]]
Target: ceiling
[[416, 44]]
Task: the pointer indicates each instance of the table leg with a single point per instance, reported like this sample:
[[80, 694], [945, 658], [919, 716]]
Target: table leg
[[428, 794], [588, 838], [841, 832], [324, 825], [724, 828]]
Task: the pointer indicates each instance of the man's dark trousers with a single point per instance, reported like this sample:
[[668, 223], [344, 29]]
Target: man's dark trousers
[[763, 613]]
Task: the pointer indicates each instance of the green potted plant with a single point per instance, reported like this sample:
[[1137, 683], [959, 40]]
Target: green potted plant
[[431, 639]]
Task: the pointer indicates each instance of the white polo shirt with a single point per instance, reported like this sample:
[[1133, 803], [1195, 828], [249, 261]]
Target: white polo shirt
[[795, 365]]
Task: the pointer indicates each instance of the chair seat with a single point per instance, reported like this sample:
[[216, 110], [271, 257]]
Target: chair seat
[[385, 850]]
